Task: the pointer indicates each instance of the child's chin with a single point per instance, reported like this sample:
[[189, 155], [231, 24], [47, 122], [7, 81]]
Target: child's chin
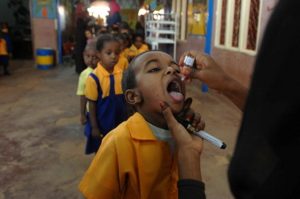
[[176, 108]]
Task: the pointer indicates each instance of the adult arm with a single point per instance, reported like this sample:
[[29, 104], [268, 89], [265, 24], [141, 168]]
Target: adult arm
[[189, 152]]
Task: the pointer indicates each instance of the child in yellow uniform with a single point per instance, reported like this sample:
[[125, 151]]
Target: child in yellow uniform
[[5, 48], [122, 58], [104, 93], [136, 160], [137, 47], [91, 60]]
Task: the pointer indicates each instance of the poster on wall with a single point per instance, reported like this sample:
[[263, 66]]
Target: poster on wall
[[197, 17], [44, 9]]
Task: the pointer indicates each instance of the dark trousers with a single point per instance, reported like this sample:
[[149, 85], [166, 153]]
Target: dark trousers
[[4, 61]]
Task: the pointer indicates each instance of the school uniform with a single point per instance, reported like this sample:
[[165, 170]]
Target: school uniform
[[123, 62], [82, 80], [106, 90], [133, 51], [5, 50], [132, 163]]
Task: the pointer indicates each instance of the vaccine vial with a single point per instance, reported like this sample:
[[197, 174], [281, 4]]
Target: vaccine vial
[[189, 61], [188, 65]]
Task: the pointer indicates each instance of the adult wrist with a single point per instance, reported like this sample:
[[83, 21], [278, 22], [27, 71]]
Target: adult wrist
[[189, 164]]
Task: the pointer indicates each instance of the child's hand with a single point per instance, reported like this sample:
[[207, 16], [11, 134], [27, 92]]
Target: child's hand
[[96, 133], [83, 119]]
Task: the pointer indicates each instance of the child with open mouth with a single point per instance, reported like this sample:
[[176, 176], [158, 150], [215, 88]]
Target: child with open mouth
[[137, 159]]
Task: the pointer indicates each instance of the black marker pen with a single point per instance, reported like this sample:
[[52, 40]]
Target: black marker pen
[[206, 136]]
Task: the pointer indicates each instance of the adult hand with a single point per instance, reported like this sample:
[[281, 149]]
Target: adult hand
[[187, 113], [189, 147], [207, 70]]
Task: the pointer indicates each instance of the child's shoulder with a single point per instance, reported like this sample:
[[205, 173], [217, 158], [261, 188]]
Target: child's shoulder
[[85, 73], [119, 136], [145, 47]]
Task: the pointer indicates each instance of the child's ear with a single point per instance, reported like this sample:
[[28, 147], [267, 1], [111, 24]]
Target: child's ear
[[133, 96]]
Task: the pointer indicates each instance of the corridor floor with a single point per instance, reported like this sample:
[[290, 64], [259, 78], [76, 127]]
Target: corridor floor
[[42, 142]]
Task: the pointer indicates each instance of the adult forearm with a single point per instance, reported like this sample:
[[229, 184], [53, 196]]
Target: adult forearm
[[189, 164], [236, 92]]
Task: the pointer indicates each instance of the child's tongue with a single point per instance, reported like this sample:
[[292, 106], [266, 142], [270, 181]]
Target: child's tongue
[[178, 97]]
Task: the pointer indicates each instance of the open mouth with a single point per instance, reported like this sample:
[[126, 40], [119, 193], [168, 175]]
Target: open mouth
[[175, 90]]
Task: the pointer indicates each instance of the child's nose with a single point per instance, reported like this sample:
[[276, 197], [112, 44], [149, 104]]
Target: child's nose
[[170, 70], [113, 55]]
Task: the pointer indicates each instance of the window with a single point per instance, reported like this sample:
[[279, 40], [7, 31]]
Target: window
[[237, 25]]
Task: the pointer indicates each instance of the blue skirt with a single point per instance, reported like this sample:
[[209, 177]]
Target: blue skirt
[[92, 144]]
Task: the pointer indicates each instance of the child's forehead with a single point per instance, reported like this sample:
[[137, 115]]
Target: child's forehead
[[90, 51], [151, 56]]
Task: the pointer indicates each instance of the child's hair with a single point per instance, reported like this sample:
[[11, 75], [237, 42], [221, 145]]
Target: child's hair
[[120, 37], [90, 29], [125, 38], [124, 25], [128, 80], [138, 35], [92, 45], [103, 39]]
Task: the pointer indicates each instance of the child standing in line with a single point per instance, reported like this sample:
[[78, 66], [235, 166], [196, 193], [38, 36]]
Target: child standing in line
[[136, 160], [89, 35], [137, 47], [91, 60], [104, 93], [5, 48], [122, 59]]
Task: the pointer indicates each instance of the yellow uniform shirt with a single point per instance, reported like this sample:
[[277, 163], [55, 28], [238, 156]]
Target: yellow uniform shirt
[[82, 80], [3, 47], [91, 91], [123, 62], [131, 164], [133, 51], [124, 53]]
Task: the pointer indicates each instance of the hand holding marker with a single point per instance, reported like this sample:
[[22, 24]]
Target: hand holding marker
[[189, 66], [206, 136]]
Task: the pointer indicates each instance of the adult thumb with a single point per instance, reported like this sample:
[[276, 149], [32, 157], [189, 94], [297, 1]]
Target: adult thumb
[[168, 115], [178, 131]]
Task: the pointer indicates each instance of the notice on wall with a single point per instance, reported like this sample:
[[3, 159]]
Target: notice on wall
[[44, 9]]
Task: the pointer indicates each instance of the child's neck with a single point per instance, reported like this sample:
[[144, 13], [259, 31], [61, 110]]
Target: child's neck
[[156, 120], [109, 70]]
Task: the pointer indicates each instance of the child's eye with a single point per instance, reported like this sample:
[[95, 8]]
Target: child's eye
[[153, 70]]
